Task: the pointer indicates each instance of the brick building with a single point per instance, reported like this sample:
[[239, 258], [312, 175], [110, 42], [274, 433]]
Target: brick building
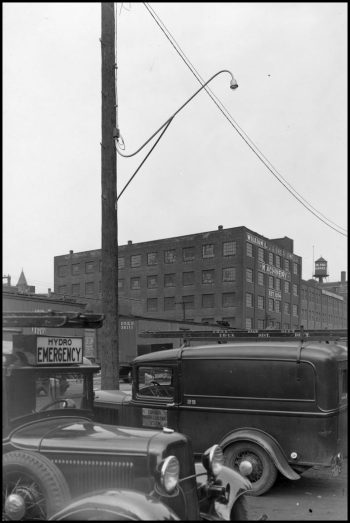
[[233, 275]]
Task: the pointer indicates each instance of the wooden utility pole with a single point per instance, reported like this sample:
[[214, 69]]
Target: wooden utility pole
[[109, 349]]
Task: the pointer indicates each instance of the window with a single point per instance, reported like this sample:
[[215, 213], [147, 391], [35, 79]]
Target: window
[[208, 276], [249, 249], [208, 251], [188, 302], [229, 248], [249, 275], [100, 286], [287, 308], [152, 282], [135, 260], [278, 261], [207, 301], [260, 324], [249, 299], [120, 284], [76, 289], [260, 278], [295, 290], [260, 254], [62, 289], [169, 303], [135, 283], [75, 268], [277, 306], [295, 268], [170, 256], [157, 383], [277, 284], [287, 287], [152, 304], [248, 323], [188, 254], [271, 304], [152, 258], [277, 324], [169, 280], [188, 278], [261, 302], [228, 299], [121, 262], [271, 282], [62, 270], [270, 258], [89, 267], [295, 310], [89, 287], [286, 265], [229, 274]]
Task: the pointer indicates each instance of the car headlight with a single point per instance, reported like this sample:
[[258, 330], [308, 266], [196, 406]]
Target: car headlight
[[213, 460], [169, 474]]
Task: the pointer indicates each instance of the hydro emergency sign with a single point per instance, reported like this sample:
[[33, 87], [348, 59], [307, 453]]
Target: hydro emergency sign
[[59, 350]]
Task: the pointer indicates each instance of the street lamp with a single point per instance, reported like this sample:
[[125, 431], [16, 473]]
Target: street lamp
[[120, 142]]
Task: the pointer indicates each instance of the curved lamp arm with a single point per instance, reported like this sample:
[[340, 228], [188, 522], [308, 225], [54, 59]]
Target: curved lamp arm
[[233, 85]]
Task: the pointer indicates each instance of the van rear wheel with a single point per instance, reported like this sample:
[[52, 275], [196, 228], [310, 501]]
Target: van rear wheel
[[263, 474]]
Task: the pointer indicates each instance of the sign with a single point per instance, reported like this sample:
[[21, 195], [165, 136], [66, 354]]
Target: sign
[[89, 343], [154, 418], [277, 295], [59, 350], [270, 269]]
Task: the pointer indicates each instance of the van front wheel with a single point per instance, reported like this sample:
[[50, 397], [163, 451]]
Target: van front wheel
[[263, 472]]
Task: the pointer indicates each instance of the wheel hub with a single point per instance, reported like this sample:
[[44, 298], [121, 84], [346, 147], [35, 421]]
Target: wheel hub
[[15, 507]]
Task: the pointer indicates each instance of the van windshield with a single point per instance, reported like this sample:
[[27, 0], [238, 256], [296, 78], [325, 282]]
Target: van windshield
[[156, 382]]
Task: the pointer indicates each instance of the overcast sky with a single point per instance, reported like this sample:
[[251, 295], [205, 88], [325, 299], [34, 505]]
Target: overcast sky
[[290, 62]]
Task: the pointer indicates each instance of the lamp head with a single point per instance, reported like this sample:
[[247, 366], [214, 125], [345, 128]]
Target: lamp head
[[233, 83]]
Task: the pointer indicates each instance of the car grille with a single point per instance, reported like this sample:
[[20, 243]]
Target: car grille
[[87, 475]]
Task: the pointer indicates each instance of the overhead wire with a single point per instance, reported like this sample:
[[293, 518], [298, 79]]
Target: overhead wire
[[239, 130]]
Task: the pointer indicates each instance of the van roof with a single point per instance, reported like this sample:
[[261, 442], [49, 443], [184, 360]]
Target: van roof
[[289, 350]]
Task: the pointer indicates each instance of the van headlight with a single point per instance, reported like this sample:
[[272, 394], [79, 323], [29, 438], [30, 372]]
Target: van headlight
[[169, 474], [213, 460]]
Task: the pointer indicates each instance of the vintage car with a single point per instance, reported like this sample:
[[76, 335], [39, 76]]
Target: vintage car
[[274, 401], [60, 463]]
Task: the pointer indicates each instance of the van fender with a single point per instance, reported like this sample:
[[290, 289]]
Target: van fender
[[116, 504], [265, 441]]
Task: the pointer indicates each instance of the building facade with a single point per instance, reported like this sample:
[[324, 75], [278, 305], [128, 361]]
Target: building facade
[[233, 275]]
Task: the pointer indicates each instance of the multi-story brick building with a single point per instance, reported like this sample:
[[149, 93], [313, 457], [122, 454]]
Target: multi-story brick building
[[322, 308], [233, 275]]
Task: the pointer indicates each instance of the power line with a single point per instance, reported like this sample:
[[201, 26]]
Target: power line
[[240, 131]]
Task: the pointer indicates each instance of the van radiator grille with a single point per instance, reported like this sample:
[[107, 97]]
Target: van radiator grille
[[86, 475]]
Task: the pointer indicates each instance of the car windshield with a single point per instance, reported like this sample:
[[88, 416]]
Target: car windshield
[[155, 381], [60, 391]]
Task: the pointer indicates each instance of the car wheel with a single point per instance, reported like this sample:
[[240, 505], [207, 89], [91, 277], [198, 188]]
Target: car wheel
[[32, 488], [264, 472], [239, 510]]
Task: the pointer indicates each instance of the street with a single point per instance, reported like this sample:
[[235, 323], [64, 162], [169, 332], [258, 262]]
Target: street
[[316, 496]]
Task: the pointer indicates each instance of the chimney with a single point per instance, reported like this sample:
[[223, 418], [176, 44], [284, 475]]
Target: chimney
[[71, 252], [129, 242], [343, 276], [220, 227], [49, 292]]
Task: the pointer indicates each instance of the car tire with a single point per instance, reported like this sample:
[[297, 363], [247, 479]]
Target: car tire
[[39, 486], [264, 472], [239, 510]]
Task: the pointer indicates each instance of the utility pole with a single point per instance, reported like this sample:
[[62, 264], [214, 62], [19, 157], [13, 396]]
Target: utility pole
[[109, 350]]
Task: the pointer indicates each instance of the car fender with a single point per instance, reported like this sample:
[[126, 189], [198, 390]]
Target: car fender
[[265, 441], [117, 503], [235, 484]]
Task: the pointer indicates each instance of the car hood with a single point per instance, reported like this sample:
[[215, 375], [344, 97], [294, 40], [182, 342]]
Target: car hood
[[63, 434]]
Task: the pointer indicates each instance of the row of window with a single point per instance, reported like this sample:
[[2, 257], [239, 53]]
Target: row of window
[[273, 282], [318, 316], [272, 305], [271, 258], [267, 324], [188, 278], [170, 303]]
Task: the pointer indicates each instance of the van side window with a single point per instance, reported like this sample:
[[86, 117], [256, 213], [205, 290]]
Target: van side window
[[273, 380], [343, 385], [155, 381]]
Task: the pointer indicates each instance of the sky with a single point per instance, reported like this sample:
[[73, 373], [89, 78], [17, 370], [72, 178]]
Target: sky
[[290, 62]]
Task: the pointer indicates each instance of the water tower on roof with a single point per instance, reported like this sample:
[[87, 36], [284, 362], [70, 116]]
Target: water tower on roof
[[320, 269]]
